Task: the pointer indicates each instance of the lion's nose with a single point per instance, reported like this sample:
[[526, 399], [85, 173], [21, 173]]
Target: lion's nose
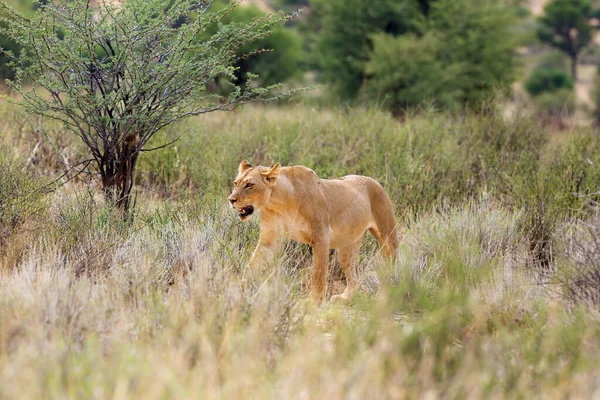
[[232, 201]]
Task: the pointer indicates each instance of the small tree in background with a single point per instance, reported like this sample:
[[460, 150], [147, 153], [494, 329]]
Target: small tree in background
[[565, 25], [466, 54], [117, 73]]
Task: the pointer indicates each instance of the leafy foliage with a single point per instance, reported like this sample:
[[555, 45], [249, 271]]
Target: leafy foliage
[[553, 94], [9, 45]]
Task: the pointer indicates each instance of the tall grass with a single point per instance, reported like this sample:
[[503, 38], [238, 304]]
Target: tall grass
[[165, 308], [22, 204]]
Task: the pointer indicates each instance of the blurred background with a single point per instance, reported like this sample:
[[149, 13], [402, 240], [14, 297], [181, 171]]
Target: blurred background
[[539, 56]]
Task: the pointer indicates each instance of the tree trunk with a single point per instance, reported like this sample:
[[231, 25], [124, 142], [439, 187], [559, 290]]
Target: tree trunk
[[574, 68], [117, 175]]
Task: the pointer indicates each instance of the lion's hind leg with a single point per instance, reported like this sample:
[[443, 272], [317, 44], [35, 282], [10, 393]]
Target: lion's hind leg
[[348, 256], [384, 228], [388, 242]]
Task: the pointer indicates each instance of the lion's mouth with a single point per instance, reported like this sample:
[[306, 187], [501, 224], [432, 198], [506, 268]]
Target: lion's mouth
[[245, 211]]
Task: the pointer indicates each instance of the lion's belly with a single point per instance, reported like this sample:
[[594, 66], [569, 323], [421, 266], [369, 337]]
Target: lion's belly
[[348, 232], [340, 234]]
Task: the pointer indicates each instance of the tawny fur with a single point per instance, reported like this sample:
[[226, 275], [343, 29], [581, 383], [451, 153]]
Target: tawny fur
[[324, 213]]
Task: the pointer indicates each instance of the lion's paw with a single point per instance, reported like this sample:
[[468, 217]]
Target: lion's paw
[[340, 299]]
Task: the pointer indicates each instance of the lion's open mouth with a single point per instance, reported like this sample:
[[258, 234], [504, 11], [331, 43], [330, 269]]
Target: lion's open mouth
[[245, 212]]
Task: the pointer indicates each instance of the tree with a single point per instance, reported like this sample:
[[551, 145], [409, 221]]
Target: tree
[[466, 54], [468, 49], [565, 25], [344, 43], [477, 38], [117, 73]]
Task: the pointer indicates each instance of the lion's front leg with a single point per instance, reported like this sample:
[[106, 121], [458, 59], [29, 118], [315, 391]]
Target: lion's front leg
[[319, 269], [265, 250]]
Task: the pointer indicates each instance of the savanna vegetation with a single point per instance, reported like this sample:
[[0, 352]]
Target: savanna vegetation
[[495, 292]]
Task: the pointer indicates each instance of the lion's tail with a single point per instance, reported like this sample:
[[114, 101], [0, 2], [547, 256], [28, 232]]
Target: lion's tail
[[385, 230]]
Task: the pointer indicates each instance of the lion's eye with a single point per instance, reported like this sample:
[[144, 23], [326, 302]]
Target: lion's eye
[[249, 186]]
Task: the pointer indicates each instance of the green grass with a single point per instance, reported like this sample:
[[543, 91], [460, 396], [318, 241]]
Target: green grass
[[165, 308]]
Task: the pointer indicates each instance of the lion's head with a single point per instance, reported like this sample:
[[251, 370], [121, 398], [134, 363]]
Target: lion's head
[[252, 188]]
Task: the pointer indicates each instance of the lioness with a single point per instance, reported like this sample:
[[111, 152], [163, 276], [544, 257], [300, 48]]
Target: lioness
[[324, 213]]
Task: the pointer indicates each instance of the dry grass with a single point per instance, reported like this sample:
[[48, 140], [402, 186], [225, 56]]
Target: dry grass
[[171, 312]]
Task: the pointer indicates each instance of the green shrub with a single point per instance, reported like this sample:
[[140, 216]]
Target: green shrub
[[552, 193], [553, 95], [544, 80]]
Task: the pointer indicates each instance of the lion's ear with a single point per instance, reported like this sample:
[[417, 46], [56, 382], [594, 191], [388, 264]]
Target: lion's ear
[[244, 165], [272, 173]]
